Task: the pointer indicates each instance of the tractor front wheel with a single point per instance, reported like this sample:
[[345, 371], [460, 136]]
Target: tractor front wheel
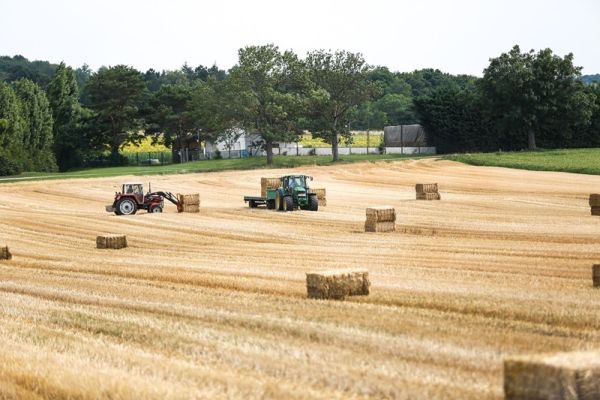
[[313, 202], [156, 209], [288, 203], [126, 207], [270, 204], [278, 202]]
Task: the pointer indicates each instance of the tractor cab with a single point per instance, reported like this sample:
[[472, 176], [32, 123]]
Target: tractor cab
[[135, 189]]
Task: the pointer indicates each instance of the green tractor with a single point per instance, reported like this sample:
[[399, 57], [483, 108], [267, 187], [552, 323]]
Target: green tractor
[[293, 193]]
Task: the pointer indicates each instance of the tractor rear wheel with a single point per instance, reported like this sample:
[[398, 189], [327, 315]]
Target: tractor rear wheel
[[288, 203], [313, 202], [127, 207]]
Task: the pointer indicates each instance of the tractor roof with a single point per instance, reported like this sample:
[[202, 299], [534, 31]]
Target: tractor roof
[[132, 183]]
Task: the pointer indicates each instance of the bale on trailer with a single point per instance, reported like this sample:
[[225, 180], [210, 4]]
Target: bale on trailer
[[190, 203], [321, 195], [337, 284], [111, 241], [556, 376], [596, 275], [428, 196], [269, 183], [426, 188], [5, 254]]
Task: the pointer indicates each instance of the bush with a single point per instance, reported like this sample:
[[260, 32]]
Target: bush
[[8, 167]]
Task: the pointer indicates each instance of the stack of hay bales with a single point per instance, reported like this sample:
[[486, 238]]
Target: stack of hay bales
[[596, 275], [5, 254], [268, 183], [380, 219], [595, 204], [337, 284], [553, 376], [321, 195], [109, 241], [190, 202], [427, 191]]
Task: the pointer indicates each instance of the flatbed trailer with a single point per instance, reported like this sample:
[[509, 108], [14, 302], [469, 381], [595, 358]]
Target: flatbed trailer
[[255, 201]]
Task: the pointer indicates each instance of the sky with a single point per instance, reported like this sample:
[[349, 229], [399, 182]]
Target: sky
[[455, 36]]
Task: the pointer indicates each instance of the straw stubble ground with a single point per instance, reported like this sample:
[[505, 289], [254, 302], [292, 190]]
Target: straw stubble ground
[[213, 305]]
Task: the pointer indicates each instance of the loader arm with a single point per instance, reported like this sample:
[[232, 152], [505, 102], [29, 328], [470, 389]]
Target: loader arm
[[171, 197]]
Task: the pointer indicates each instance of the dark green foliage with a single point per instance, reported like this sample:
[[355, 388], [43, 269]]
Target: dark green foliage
[[589, 79], [8, 166], [116, 95], [18, 67]]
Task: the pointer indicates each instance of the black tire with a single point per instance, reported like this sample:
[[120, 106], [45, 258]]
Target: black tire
[[270, 204], [278, 202], [127, 207], [288, 203], [156, 209], [313, 202], [252, 204], [117, 212]]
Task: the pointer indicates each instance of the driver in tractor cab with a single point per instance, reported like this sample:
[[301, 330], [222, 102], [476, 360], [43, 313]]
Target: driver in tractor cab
[[296, 182]]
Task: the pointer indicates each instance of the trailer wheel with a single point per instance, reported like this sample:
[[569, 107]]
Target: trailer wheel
[[270, 204], [252, 204], [288, 203], [313, 202], [127, 207]]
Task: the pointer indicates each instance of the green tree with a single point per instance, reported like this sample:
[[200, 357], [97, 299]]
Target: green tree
[[341, 82], [537, 96], [11, 132], [63, 95], [116, 95], [37, 126], [269, 89]]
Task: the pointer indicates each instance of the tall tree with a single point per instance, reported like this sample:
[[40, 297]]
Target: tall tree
[[116, 95], [270, 89], [63, 95], [37, 126], [341, 82], [11, 132], [537, 96]]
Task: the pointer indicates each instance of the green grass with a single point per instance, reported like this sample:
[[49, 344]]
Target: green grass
[[580, 161], [205, 166]]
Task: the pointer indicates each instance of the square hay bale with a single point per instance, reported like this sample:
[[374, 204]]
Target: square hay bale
[[337, 284], [321, 195], [191, 199], [268, 183], [381, 214], [556, 376], [374, 226], [428, 196], [111, 241], [191, 208], [5, 254], [426, 188], [595, 210], [595, 200], [596, 275]]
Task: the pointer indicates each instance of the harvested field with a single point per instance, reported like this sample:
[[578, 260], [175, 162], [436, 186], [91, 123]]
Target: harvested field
[[213, 304]]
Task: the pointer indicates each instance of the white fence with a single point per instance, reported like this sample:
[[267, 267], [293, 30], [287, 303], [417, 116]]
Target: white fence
[[326, 151]]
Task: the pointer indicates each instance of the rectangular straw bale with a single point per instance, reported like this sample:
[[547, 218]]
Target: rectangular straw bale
[[111, 241], [426, 188], [386, 226], [595, 200], [428, 196], [268, 183], [381, 214], [595, 210], [596, 275], [191, 208], [559, 376], [337, 284], [5, 254], [321, 195]]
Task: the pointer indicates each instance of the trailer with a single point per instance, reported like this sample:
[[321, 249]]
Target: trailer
[[255, 201], [293, 194]]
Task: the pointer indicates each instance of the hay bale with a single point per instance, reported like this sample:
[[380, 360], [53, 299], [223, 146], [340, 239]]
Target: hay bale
[[337, 284], [321, 195], [428, 196], [268, 183], [557, 376], [191, 208], [374, 226], [5, 254], [595, 200], [381, 214], [111, 241], [190, 203], [426, 188], [596, 275], [595, 210]]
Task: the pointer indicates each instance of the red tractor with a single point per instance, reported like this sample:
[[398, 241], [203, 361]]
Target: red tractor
[[132, 198]]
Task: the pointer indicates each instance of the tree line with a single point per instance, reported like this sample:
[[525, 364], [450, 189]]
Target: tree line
[[56, 117]]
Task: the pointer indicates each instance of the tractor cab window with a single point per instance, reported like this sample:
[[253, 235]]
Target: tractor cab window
[[296, 181], [133, 189]]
